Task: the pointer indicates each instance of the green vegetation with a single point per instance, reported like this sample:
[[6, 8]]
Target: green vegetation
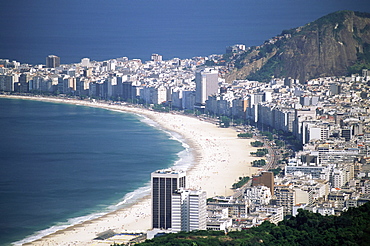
[[264, 51], [273, 66], [192, 112], [161, 108], [307, 228], [211, 63], [362, 14], [264, 151], [269, 135], [279, 143], [245, 135], [242, 181], [333, 19], [259, 163], [238, 121], [211, 200], [260, 152], [188, 111], [333, 23], [257, 144], [363, 61], [267, 71], [227, 57], [276, 171], [240, 60], [357, 68], [289, 31], [278, 57], [224, 121]]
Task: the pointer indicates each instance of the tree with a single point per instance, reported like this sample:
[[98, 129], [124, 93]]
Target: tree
[[269, 135], [258, 153], [276, 171], [245, 135], [239, 121], [224, 121], [259, 163], [160, 108], [242, 181], [257, 144], [307, 228], [279, 143]]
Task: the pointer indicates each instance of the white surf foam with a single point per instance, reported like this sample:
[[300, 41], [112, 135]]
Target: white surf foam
[[184, 161]]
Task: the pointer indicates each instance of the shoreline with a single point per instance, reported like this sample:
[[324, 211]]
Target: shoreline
[[218, 155]]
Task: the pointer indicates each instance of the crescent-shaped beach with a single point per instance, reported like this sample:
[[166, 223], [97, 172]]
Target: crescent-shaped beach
[[220, 158]]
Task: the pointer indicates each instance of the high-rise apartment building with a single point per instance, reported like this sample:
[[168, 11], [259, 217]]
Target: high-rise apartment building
[[206, 82], [52, 61], [156, 58], [164, 184], [85, 62], [24, 79], [285, 197], [189, 210]]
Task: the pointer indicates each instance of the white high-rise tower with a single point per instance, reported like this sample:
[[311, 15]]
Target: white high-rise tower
[[206, 82], [189, 210], [85, 62]]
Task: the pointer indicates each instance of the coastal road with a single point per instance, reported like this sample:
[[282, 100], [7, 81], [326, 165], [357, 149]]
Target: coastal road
[[271, 159], [240, 192]]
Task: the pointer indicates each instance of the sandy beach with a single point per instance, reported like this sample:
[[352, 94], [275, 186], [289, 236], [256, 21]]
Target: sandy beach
[[220, 159]]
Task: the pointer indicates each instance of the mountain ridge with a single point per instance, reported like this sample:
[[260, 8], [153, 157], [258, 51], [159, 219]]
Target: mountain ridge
[[329, 46]]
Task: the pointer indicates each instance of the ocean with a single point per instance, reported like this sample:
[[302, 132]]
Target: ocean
[[102, 30], [62, 164]]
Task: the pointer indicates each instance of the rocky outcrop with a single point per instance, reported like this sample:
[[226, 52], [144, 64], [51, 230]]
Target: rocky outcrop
[[325, 47], [251, 65]]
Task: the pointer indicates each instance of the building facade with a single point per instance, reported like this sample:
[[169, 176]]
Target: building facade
[[189, 210], [164, 184], [266, 179], [206, 82], [52, 61]]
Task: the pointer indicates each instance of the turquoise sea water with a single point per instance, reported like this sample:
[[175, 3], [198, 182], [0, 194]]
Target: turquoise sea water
[[62, 164]]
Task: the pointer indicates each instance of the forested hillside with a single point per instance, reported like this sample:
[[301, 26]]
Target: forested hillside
[[351, 228]]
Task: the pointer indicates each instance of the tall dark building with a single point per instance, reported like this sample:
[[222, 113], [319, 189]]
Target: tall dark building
[[52, 61], [289, 82], [127, 91], [347, 133], [23, 82], [164, 184], [266, 179]]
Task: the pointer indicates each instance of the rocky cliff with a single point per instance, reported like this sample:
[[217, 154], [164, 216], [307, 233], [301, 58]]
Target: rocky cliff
[[328, 46]]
